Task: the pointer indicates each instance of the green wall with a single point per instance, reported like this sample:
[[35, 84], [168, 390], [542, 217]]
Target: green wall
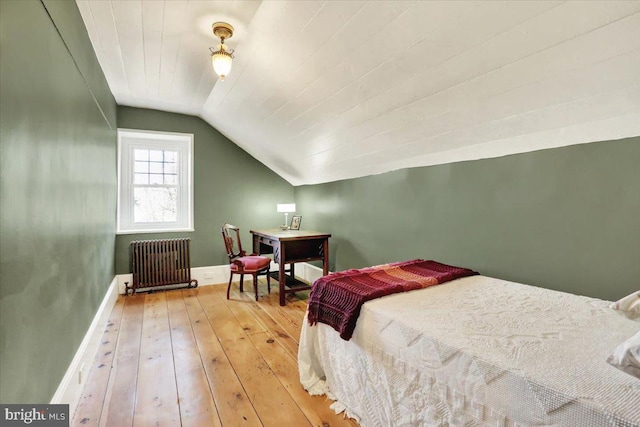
[[229, 186], [57, 194], [565, 218]]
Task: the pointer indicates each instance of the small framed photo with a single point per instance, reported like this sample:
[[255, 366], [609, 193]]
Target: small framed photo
[[295, 222]]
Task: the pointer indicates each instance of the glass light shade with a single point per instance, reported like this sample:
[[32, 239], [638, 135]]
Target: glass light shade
[[286, 207], [221, 60]]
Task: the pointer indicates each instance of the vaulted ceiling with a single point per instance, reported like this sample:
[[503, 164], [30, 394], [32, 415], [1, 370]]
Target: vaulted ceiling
[[328, 90]]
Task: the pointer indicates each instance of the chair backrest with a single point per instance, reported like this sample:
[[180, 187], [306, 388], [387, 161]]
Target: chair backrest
[[232, 244]]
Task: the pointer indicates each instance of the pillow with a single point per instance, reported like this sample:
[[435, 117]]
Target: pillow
[[626, 356], [628, 306]]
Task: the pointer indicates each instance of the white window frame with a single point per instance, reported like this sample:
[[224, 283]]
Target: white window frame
[[128, 141]]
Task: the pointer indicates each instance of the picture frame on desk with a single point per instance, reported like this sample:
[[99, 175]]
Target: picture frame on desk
[[295, 222]]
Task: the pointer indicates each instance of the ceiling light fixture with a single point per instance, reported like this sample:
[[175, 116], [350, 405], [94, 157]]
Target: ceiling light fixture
[[221, 58]]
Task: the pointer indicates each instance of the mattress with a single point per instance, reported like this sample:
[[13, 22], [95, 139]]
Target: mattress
[[476, 351]]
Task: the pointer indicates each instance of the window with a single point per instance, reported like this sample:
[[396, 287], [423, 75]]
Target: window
[[155, 181]]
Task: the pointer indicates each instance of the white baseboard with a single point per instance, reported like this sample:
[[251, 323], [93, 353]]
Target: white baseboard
[[210, 275], [307, 272], [70, 388], [217, 274]]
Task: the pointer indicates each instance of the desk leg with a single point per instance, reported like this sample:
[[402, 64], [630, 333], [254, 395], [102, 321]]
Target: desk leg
[[281, 275], [325, 259], [256, 244]]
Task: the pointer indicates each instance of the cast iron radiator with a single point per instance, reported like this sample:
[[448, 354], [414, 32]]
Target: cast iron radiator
[[159, 263]]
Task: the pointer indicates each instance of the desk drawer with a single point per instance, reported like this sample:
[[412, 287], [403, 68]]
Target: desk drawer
[[269, 242], [263, 245]]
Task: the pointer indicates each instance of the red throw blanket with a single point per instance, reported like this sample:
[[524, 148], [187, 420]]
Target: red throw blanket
[[336, 299]]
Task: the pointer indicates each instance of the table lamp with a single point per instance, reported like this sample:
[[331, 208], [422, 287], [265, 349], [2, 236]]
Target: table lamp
[[286, 208]]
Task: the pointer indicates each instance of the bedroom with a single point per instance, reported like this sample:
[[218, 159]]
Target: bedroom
[[554, 205]]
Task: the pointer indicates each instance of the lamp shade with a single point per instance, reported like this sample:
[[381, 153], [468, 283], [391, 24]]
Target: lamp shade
[[221, 60], [286, 207]]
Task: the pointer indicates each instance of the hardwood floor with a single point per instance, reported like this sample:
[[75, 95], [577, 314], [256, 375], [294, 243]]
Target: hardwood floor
[[193, 358]]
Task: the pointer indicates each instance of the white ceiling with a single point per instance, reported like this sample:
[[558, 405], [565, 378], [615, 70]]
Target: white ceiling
[[328, 90]]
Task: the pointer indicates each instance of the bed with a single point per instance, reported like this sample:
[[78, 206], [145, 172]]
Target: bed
[[476, 351]]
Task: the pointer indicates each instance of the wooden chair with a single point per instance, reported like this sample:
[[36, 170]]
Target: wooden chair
[[241, 263]]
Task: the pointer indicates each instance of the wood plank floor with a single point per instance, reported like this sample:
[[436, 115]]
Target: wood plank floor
[[193, 358]]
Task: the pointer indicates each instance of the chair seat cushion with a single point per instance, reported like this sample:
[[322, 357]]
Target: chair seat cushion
[[252, 263]]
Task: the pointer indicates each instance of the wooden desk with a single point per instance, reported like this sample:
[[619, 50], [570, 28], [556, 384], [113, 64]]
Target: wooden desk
[[289, 247]]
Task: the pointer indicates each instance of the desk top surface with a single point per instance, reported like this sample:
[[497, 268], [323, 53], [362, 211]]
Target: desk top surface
[[276, 233]]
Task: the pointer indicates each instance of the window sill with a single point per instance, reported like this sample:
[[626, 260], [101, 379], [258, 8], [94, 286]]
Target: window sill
[[155, 231]]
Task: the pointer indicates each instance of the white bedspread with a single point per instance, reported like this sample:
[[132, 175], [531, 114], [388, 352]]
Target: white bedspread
[[476, 352]]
